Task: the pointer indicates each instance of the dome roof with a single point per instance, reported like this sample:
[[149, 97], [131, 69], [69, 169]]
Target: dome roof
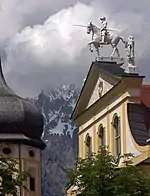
[[18, 115]]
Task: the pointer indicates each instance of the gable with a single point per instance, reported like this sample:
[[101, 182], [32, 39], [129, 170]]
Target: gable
[[110, 73], [104, 83]]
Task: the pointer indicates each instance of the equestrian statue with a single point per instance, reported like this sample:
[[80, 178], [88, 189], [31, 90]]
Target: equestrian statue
[[103, 36]]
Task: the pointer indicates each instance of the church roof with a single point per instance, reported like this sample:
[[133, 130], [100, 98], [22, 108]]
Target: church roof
[[139, 117], [112, 69], [145, 95], [18, 115]]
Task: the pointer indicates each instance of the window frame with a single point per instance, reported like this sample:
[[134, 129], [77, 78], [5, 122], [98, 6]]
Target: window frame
[[88, 145], [117, 135], [101, 137], [32, 183]]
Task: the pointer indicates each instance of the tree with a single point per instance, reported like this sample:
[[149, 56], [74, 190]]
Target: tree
[[11, 178], [100, 175]]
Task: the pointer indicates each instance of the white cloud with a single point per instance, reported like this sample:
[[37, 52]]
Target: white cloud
[[17, 14], [53, 51], [54, 46], [56, 38]]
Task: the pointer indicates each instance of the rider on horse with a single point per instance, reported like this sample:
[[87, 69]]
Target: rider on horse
[[101, 36], [104, 29]]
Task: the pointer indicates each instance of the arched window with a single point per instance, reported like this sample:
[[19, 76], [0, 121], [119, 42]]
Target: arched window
[[101, 136], [117, 135], [88, 144]]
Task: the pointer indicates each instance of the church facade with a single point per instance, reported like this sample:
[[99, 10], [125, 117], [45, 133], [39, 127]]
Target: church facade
[[21, 127], [113, 110]]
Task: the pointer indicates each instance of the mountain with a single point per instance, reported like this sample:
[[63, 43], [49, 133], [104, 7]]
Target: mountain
[[60, 136]]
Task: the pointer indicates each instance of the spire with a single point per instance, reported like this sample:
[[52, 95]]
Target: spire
[[2, 80], [4, 88]]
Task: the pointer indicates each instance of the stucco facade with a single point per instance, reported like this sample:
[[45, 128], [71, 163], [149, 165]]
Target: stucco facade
[[121, 98]]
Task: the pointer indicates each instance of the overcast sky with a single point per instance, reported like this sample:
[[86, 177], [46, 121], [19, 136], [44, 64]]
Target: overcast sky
[[41, 48]]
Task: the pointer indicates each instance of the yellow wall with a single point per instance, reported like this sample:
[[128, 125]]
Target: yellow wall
[[102, 113], [105, 118], [117, 105]]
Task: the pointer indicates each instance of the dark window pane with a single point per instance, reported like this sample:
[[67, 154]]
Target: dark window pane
[[116, 121], [118, 146], [31, 153], [88, 141], [88, 145], [32, 184], [116, 125], [102, 136], [90, 151], [6, 150]]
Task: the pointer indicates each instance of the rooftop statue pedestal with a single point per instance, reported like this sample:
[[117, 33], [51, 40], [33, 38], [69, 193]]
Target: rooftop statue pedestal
[[131, 69], [117, 60]]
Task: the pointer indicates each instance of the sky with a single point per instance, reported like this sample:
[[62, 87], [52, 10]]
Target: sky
[[42, 49]]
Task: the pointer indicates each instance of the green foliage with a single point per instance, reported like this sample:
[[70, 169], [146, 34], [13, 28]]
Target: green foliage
[[101, 176], [11, 178]]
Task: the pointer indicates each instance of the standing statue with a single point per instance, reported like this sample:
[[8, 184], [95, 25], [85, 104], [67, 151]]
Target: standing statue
[[103, 36], [129, 45], [103, 29]]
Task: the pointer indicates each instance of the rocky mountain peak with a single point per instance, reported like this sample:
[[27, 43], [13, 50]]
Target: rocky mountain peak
[[60, 136]]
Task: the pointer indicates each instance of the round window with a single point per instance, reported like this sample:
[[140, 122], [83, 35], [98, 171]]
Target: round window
[[6, 150], [31, 153]]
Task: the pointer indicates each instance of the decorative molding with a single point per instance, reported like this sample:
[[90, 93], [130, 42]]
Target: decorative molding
[[100, 88]]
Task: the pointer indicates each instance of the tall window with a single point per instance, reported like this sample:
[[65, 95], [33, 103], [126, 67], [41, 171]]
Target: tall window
[[32, 184], [117, 135], [88, 144], [32, 179], [101, 135]]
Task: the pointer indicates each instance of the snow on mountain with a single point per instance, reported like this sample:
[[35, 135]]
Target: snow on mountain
[[57, 106], [60, 136]]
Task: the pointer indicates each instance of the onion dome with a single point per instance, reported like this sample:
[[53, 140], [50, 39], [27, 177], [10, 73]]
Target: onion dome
[[20, 120]]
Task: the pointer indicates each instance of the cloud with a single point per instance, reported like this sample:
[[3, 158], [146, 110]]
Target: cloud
[[44, 49], [15, 15], [50, 50]]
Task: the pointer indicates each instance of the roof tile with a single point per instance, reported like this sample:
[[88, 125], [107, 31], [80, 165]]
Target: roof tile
[[145, 95]]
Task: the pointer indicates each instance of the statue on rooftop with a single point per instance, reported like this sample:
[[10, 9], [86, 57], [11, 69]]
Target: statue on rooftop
[[129, 45], [103, 29], [103, 36]]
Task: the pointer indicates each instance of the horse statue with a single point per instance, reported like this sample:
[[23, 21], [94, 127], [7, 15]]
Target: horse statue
[[110, 39]]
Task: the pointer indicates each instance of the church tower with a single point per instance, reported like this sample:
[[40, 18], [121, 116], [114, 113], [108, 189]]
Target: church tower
[[21, 127]]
